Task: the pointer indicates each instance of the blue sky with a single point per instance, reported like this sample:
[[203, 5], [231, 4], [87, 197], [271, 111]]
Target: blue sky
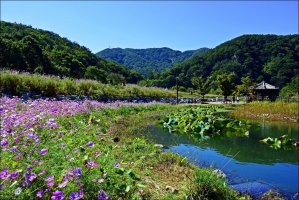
[[145, 24]]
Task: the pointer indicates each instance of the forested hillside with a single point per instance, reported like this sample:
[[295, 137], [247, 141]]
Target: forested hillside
[[148, 60], [24, 48], [271, 58]]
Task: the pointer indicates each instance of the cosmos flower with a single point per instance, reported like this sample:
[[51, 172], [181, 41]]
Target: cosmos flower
[[90, 144], [40, 193], [57, 195], [4, 142], [43, 152], [4, 174], [50, 181], [91, 164], [78, 172], [14, 175], [102, 195]]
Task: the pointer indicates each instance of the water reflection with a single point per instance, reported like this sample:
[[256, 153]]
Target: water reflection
[[243, 158]]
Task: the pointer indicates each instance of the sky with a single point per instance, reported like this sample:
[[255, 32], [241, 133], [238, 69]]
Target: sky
[[147, 24]]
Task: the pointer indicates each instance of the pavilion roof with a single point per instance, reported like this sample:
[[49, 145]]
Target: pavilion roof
[[265, 86]]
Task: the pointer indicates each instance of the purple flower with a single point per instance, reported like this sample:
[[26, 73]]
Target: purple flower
[[52, 120], [4, 142], [78, 172], [43, 152], [40, 194], [102, 195], [90, 144], [1, 186], [32, 176], [4, 173], [91, 164], [14, 149], [29, 178], [116, 165], [14, 175], [57, 195], [29, 168], [63, 184], [50, 181], [75, 196], [97, 154]]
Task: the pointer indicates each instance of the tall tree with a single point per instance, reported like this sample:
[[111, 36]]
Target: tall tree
[[201, 84], [244, 87], [225, 83]]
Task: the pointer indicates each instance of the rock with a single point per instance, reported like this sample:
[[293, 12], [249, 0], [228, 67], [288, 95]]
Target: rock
[[271, 194], [219, 173], [159, 145], [253, 188], [171, 189]]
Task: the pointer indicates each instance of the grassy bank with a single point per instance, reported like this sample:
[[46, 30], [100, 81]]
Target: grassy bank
[[276, 111], [16, 83], [165, 175], [96, 153]]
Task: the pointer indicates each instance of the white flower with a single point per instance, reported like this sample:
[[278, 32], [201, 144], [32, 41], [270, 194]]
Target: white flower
[[18, 191]]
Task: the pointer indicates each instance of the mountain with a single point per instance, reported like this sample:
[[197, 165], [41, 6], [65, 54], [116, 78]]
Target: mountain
[[148, 60], [24, 48], [273, 58]]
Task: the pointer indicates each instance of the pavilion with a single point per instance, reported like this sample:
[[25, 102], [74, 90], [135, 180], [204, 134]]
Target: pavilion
[[266, 91]]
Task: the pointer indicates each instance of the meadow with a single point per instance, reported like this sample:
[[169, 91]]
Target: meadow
[[90, 150]]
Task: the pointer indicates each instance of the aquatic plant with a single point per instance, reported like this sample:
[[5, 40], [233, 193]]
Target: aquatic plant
[[204, 122], [280, 142]]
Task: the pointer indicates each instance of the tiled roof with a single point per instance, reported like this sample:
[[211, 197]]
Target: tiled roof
[[265, 86]]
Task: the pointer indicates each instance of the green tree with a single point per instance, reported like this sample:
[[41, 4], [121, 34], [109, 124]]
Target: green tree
[[244, 87], [225, 83], [115, 79], [291, 89], [94, 73], [201, 84]]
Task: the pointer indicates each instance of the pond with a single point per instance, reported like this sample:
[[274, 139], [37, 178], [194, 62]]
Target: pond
[[243, 159]]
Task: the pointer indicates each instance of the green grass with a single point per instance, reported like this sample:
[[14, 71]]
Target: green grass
[[51, 86], [208, 186], [279, 111], [118, 134]]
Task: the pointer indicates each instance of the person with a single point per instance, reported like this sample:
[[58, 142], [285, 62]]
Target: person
[[234, 99], [238, 99]]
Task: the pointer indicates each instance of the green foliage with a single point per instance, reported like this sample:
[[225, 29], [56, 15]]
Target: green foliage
[[291, 89], [149, 61], [204, 122], [244, 87], [209, 186], [271, 58], [24, 48], [94, 73], [201, 84], [277, 143], [225, 83]]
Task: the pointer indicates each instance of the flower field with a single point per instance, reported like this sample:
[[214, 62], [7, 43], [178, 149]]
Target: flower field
[[60, 150]]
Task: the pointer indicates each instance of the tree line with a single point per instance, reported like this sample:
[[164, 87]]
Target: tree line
[[271, 58], [27, 49]]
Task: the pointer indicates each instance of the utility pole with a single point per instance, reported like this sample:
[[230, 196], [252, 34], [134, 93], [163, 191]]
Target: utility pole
[[177, 91]]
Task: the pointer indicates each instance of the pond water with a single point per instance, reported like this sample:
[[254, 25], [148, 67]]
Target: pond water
[[243, 159]]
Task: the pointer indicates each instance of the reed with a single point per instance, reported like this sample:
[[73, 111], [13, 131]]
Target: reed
[[16, 83], [276, 111]]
